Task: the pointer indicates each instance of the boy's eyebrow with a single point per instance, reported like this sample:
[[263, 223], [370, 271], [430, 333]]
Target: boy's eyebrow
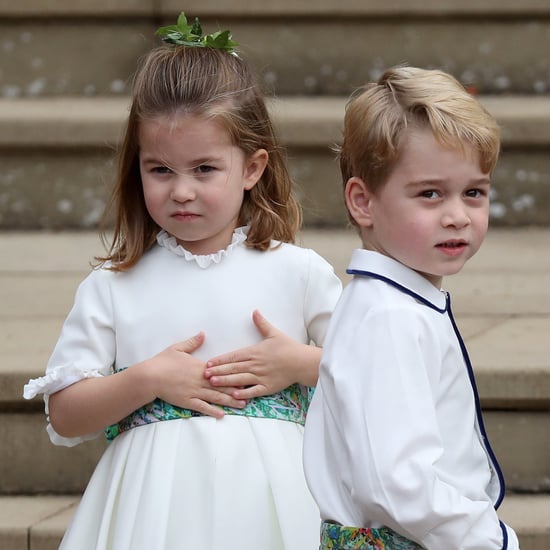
[[484, 180], [481, 181]]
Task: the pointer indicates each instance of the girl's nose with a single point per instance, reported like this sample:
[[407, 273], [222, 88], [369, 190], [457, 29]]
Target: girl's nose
[[182, 190]]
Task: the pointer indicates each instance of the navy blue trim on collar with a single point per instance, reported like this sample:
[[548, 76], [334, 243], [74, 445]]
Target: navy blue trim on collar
[[504, 536], [479, 413], [400, 287]]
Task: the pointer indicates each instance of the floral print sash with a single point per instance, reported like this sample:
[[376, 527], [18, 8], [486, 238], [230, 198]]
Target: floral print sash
[[291, 405], [338, 537]]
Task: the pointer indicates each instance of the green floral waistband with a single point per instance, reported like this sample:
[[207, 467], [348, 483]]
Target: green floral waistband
[[291, 404], [339, 537]]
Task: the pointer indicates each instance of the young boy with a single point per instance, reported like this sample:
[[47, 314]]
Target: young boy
[[395, 451]]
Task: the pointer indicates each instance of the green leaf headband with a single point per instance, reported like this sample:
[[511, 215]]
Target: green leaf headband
[[183, 34]]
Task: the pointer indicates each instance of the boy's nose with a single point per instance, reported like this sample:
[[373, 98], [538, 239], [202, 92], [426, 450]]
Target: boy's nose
[[456, 214]]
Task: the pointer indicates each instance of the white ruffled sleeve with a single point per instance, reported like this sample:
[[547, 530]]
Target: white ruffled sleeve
[[323, 290], [85, 349]]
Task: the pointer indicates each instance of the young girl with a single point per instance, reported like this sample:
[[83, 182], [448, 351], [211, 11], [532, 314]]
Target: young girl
[[395, 451], [204, 217]]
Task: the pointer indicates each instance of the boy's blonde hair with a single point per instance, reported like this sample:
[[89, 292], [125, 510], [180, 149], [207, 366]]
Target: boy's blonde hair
[[378, 115], [209, 83]]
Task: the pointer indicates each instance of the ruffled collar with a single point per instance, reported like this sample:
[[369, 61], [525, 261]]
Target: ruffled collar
[[169, 242]]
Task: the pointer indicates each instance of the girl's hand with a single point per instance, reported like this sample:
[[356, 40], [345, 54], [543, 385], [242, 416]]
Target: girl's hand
[[174, 375], [265, 368], [179, 379]]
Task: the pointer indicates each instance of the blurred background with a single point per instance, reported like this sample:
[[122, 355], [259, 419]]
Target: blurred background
[[66, 68]]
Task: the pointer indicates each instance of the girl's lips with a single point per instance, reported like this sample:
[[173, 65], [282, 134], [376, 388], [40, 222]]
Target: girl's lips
[[184, 216]]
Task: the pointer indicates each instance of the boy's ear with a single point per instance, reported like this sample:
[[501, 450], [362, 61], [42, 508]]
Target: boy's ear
[[358, 200], [254, 168]]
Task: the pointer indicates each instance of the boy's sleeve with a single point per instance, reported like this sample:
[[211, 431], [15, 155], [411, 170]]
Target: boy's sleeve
[[512, 542], [386, 417]]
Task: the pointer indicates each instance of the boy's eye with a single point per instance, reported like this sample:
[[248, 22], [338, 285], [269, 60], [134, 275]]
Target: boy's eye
[[475, 193], [430, 194]]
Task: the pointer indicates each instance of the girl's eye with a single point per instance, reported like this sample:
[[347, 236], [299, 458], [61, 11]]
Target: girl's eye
[[161, 170], [204, 169]]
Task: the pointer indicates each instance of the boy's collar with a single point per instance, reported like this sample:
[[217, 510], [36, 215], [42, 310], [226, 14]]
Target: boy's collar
[[377, 265]]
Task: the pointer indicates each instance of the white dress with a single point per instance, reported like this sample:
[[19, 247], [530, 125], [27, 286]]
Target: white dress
[[194, 483]]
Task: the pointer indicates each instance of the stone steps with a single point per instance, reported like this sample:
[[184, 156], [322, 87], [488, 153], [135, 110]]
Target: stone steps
[[72, 62], [68, 144], [327, 48], [519, 438], [38, 523], [296, 8], [501, 305], [64, 84]]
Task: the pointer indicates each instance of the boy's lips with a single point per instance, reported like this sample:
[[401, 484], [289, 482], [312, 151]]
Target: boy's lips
[[453, 243], [453, 246]]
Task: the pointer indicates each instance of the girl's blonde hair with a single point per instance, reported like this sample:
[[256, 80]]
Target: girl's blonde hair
[[378, 115], [209, 83]]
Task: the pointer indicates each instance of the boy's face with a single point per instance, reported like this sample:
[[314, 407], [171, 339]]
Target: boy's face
[[432, 214]]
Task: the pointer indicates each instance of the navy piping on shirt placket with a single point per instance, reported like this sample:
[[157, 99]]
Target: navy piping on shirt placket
[[470, 370]]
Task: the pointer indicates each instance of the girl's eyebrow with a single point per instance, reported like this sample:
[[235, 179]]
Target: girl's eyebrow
[[150, 160], [204, 160], [149, 157]]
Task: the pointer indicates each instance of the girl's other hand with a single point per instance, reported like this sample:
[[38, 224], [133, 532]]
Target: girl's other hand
[[179, 380], [265, 368], [174, 375]]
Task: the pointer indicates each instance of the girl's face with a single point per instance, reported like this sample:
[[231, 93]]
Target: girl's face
[[194, 179], [432, 213]]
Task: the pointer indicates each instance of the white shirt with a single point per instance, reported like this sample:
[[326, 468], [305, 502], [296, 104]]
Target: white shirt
[[394, 435]]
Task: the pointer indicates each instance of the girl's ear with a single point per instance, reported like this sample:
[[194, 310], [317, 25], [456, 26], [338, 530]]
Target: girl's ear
[[254, 168], [358, 200]]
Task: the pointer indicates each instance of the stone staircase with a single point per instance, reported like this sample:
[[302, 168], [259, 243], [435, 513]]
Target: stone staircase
[[67, 66], [65, 73]]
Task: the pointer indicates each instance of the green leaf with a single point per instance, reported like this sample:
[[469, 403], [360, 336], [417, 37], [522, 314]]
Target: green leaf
[[182, 34], [220, 40], [196, 29], [162, 31], [182, 21]]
